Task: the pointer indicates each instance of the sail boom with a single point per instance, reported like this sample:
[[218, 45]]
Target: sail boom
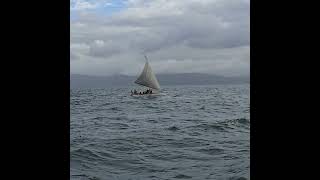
[[146, 86]]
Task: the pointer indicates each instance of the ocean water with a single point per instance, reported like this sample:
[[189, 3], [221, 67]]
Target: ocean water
[[188, 132]]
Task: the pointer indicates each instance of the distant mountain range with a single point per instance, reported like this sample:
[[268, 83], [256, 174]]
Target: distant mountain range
[[86, 81]]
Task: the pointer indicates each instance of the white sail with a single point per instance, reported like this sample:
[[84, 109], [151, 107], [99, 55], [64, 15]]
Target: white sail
[[147, 77]]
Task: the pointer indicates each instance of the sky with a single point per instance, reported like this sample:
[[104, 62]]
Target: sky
[[109, 37]]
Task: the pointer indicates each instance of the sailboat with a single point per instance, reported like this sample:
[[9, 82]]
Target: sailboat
[[148, 79]]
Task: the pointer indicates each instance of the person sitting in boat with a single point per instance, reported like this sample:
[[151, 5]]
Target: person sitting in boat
[[140, 93], [150, 91]]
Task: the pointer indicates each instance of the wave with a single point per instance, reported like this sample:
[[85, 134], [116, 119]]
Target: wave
[[173, 128], [182, 176]]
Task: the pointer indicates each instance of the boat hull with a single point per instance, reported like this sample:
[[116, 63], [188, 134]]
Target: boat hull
[[145, 95]]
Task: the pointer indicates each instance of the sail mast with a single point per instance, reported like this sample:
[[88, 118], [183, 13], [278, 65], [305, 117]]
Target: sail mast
[[146, 58]]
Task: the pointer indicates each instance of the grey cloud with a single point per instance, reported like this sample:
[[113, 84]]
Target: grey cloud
[[204, 36], [73, 56], [100, 48]]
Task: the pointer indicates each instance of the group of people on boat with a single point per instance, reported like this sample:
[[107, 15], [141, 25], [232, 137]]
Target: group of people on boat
[[135, 92]]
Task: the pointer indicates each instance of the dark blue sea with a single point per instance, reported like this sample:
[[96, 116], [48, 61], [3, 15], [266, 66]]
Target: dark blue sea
[[187, 132]]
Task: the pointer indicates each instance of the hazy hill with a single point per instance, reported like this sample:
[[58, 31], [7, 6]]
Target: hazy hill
[[85, 81]]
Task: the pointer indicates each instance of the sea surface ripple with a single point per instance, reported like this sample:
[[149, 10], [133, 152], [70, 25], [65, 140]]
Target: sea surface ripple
[[187, 132]]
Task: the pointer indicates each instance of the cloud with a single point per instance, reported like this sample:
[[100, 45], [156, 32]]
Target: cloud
[[210, 36], [108, 4], [77, 5]]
